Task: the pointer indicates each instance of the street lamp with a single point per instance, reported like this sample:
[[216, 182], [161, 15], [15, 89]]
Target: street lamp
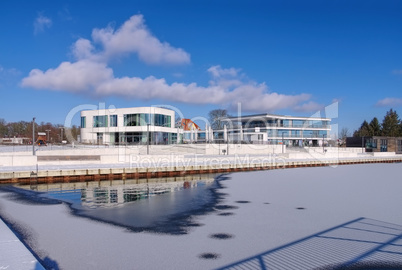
[[47, 130], [33, 136], [283, 143], [227, 145], [148, 139], [61, 134], [323, 149]]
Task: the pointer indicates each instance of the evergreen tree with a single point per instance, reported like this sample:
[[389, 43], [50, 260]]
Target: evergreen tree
[[364, 130], [391, 124], [375, 127]]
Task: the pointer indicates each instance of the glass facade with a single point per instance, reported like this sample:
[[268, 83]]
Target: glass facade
[[142, 119], [113, 120], [83, 122], [261, 122], [135, 120], [161, 120], [141, 138], [100, 121]]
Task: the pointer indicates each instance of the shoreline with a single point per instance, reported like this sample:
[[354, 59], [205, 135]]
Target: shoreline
[[152, 167]]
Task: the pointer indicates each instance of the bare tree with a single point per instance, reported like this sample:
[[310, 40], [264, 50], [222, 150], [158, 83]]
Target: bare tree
[[344, 133], [217, 118]]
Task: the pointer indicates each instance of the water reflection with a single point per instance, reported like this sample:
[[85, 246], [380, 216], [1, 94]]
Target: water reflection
[[160, 204]]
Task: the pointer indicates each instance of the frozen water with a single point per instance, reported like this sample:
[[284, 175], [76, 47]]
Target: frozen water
[[269, 219]]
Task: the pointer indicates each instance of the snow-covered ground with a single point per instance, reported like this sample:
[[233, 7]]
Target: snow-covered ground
[[260, 211]]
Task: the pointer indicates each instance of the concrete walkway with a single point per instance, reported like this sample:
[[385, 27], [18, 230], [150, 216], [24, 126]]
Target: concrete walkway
[[13, 253]]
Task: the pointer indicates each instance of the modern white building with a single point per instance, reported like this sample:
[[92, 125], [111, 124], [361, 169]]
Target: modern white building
[[128, 126], [139, 124], [271, 128]]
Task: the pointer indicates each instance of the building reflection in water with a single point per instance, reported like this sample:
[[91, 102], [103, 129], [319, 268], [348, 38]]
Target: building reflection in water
[[118, 192], [114, 195]]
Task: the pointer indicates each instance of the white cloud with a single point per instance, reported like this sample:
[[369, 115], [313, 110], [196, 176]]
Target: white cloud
[[399, 72], [83, 49], [218, 71], [134, 37], [80, 76], [90, 74], [9, 76], [95, 78], [389, 102], [310, 106], [9, 71], [40, 23]]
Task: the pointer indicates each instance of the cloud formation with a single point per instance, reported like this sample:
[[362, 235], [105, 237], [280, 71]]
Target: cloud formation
[[389, 102], [132, 37], [40, 23], [90, 74], [8, 76], [396, 71], [81, 76]]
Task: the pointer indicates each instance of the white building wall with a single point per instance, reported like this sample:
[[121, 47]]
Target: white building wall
[[89, 133]]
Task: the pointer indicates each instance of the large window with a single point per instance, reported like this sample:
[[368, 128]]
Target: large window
[[162, 120], [113, 120], [384, 145], [134, 120], [100, 121], [142, 119], [83, 122], [295, 133], [298, 123]]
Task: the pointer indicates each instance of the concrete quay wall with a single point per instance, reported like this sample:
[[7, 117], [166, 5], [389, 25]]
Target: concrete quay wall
[[122, 154], [83, 175]]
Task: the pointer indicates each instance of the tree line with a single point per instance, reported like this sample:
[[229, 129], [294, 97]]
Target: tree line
[[55, 133], [391, 126]]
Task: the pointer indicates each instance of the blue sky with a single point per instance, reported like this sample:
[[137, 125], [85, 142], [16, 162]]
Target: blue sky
[[284, 57]]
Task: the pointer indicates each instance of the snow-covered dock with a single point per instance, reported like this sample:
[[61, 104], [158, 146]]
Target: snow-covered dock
[[13, 253]]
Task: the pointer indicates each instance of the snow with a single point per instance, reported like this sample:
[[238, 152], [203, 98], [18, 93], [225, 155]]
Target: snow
[[265, 217], [13, 254]]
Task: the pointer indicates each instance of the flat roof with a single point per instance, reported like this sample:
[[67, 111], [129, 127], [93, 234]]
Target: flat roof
[[277, 116]]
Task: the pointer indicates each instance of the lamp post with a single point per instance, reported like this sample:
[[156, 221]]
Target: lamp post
[[148, 139], [33, 136], [283, 144], [227, 145], [61, 134], [323, 149], [47, 130]]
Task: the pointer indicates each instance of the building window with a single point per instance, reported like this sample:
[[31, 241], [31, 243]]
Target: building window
[[113, 120], [142, 119], [99, 138], [83, 122], [100, 121], [294, 133], [134, 120], [384, 145], [371, 143], [161, 120]]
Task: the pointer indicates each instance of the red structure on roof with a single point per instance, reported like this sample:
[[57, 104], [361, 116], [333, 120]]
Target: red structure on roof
[[187, 124]]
